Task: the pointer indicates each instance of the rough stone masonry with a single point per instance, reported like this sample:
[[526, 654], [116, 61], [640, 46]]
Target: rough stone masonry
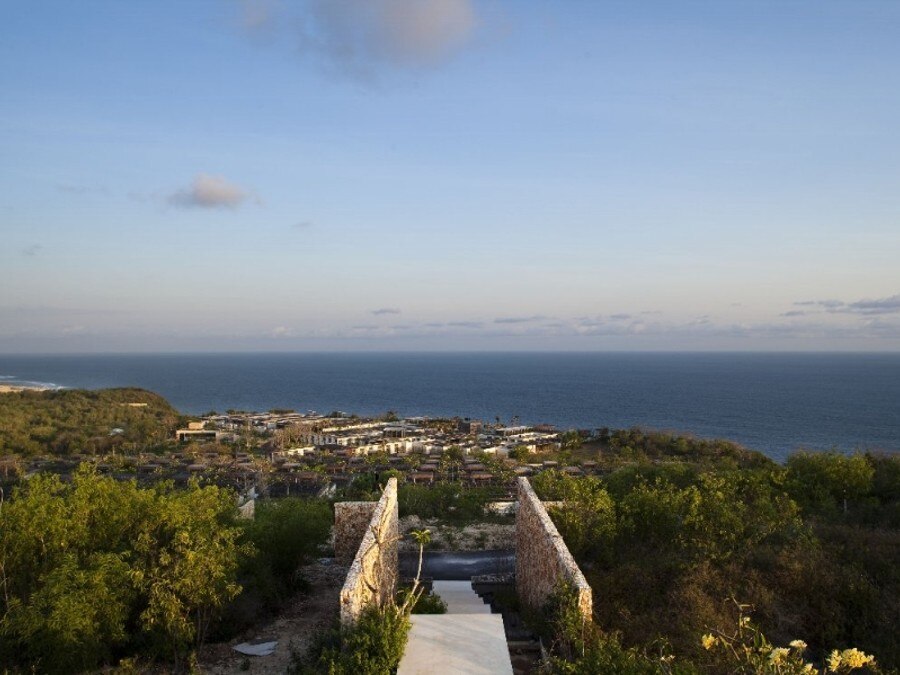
[[542, 558], [372, 578]]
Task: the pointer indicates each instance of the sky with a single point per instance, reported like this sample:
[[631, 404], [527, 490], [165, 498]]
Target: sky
[[238, 175]]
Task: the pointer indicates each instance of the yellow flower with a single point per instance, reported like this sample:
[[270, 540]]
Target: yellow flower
[[808, 669], [798, 644], [834, 660], [777, 654], [855, 658], [708, 641]]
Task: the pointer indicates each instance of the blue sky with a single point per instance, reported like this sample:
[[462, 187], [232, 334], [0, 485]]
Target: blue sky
[[449, 174]]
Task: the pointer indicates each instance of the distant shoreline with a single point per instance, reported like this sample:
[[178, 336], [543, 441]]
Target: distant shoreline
[[774, 403], [15, 388]]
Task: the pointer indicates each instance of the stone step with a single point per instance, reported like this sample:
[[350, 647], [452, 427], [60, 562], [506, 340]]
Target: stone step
[[460, 597], [470, 644]]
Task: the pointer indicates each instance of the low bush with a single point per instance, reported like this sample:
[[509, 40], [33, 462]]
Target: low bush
[[578, 647], [745, 649], [372, 646], [426, 603]]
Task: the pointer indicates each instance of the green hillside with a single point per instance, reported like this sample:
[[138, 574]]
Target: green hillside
[[75, 421]]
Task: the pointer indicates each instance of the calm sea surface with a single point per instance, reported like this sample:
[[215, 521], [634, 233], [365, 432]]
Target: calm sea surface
[[770, 402]]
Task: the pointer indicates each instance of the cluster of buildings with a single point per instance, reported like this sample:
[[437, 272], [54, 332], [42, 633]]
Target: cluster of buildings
[[309, 451], [284, 453], [297, 435]]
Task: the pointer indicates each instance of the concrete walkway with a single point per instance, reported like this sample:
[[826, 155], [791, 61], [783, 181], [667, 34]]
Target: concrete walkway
[[467, 639]]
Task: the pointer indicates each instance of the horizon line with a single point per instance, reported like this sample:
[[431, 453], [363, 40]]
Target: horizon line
[[248, 352]]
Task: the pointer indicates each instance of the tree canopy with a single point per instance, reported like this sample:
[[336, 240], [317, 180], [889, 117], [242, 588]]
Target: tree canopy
[[78, 421], [98, 568]]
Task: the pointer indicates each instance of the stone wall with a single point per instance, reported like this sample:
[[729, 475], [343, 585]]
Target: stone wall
[[542, 558], [247, 510], [351, 521], [372, 578]]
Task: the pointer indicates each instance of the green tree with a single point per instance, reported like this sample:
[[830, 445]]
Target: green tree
[[570, 440], [189, 560], [99, 567], [519, 453], [828, 483], [587, 516]]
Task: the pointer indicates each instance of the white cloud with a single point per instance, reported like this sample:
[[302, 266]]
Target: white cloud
[[356, 38], [209, 192]]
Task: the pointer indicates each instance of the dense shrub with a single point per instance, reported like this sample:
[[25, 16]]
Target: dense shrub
[[287, 533], [75, 420], [284, 535], [641, 445], [579, 647], [99, 568], [448, 501], [828, 483], [666, 546], [365, 487], [587, 517], [858, 488]]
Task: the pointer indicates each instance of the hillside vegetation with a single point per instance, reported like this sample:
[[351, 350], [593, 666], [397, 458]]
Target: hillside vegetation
[[96, 572], [700, 553], [75, 421], [810, 551]]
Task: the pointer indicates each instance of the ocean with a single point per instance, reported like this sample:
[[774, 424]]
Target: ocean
[[775, 403]]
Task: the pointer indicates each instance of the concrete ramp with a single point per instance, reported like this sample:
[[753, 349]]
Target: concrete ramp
[[467, 639]]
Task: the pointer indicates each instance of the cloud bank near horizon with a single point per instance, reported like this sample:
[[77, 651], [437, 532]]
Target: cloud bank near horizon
[[793, 329], [867, 307]]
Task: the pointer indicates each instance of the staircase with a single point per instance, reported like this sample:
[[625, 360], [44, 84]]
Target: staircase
[[467, 639]]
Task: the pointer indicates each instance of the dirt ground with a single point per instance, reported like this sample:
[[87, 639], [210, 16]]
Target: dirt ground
[[474, 537], [293, 628]]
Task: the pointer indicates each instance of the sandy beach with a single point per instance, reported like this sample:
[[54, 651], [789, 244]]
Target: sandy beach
[[12, 388]]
